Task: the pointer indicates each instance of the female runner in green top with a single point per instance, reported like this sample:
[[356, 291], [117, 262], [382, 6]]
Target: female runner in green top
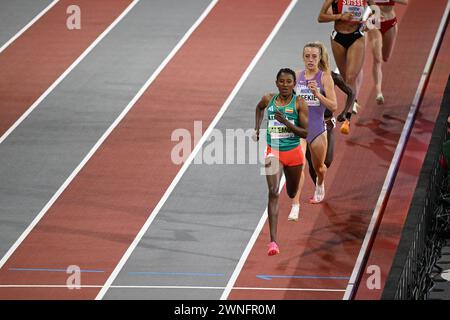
[[287, 122]]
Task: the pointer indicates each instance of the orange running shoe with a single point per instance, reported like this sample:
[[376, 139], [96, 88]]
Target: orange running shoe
[[345, 128], [273, 249]]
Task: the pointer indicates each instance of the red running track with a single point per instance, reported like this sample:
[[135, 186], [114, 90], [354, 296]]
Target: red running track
[[42, 53], [387, 239], [104, 207], [327, 238]]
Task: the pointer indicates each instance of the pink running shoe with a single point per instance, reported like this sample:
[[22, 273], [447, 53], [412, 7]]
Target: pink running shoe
[[273, 249]]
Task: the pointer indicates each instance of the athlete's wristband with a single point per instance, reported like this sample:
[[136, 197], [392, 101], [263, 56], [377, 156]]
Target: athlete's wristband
[[367, 13]]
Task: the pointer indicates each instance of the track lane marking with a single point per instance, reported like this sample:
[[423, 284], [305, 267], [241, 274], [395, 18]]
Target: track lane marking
[[392, 172], [269, 277], [75, 172], [248, 249], [193, 154], [12, 286], [42, 97], [66, 72], [52, 270], [25, 28]]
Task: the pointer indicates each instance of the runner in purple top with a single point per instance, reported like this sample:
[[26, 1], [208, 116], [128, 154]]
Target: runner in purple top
[[316, 108], [316, 86]]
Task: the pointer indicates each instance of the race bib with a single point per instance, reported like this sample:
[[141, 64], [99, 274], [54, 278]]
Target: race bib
[[307, 95], [357, 12], [354, 6], [278, 130]]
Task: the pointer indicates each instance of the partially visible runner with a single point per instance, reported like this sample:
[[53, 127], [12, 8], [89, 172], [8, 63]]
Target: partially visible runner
[[315, 84], [383, 41], [347, 38], [345, 115], [287, 116]]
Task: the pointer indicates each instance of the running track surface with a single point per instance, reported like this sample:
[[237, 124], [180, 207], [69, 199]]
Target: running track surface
[[383, 250], [330, 236], [26, 76], [95, 219]]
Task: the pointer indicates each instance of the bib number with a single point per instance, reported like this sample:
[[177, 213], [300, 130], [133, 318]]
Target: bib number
[[357, 12], [308, 96], [278, 130]]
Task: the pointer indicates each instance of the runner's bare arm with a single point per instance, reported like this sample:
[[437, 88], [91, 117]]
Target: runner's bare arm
[[401, 1], [340, 83], [259, 112], [324, 16]]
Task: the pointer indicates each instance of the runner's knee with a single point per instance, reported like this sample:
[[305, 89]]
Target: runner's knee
[[322, 169], [273, 193]]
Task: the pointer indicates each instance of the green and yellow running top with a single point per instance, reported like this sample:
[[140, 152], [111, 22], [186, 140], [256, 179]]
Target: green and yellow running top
[[278, 135]]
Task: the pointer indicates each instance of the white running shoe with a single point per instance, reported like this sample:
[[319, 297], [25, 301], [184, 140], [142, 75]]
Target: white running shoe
[[380, 99], [319, 193], [293, 215], [355, 108]]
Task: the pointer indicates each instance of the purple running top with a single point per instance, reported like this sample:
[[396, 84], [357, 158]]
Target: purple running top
[[316, 110]]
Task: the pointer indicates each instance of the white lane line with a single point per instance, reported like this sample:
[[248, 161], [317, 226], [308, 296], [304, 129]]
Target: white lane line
[[194, 152], [392, 172], [222, 288], [66, 72], [263, 219], [40, 286], [247, 250], [75, 172], [18, 34], [175, 181]]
